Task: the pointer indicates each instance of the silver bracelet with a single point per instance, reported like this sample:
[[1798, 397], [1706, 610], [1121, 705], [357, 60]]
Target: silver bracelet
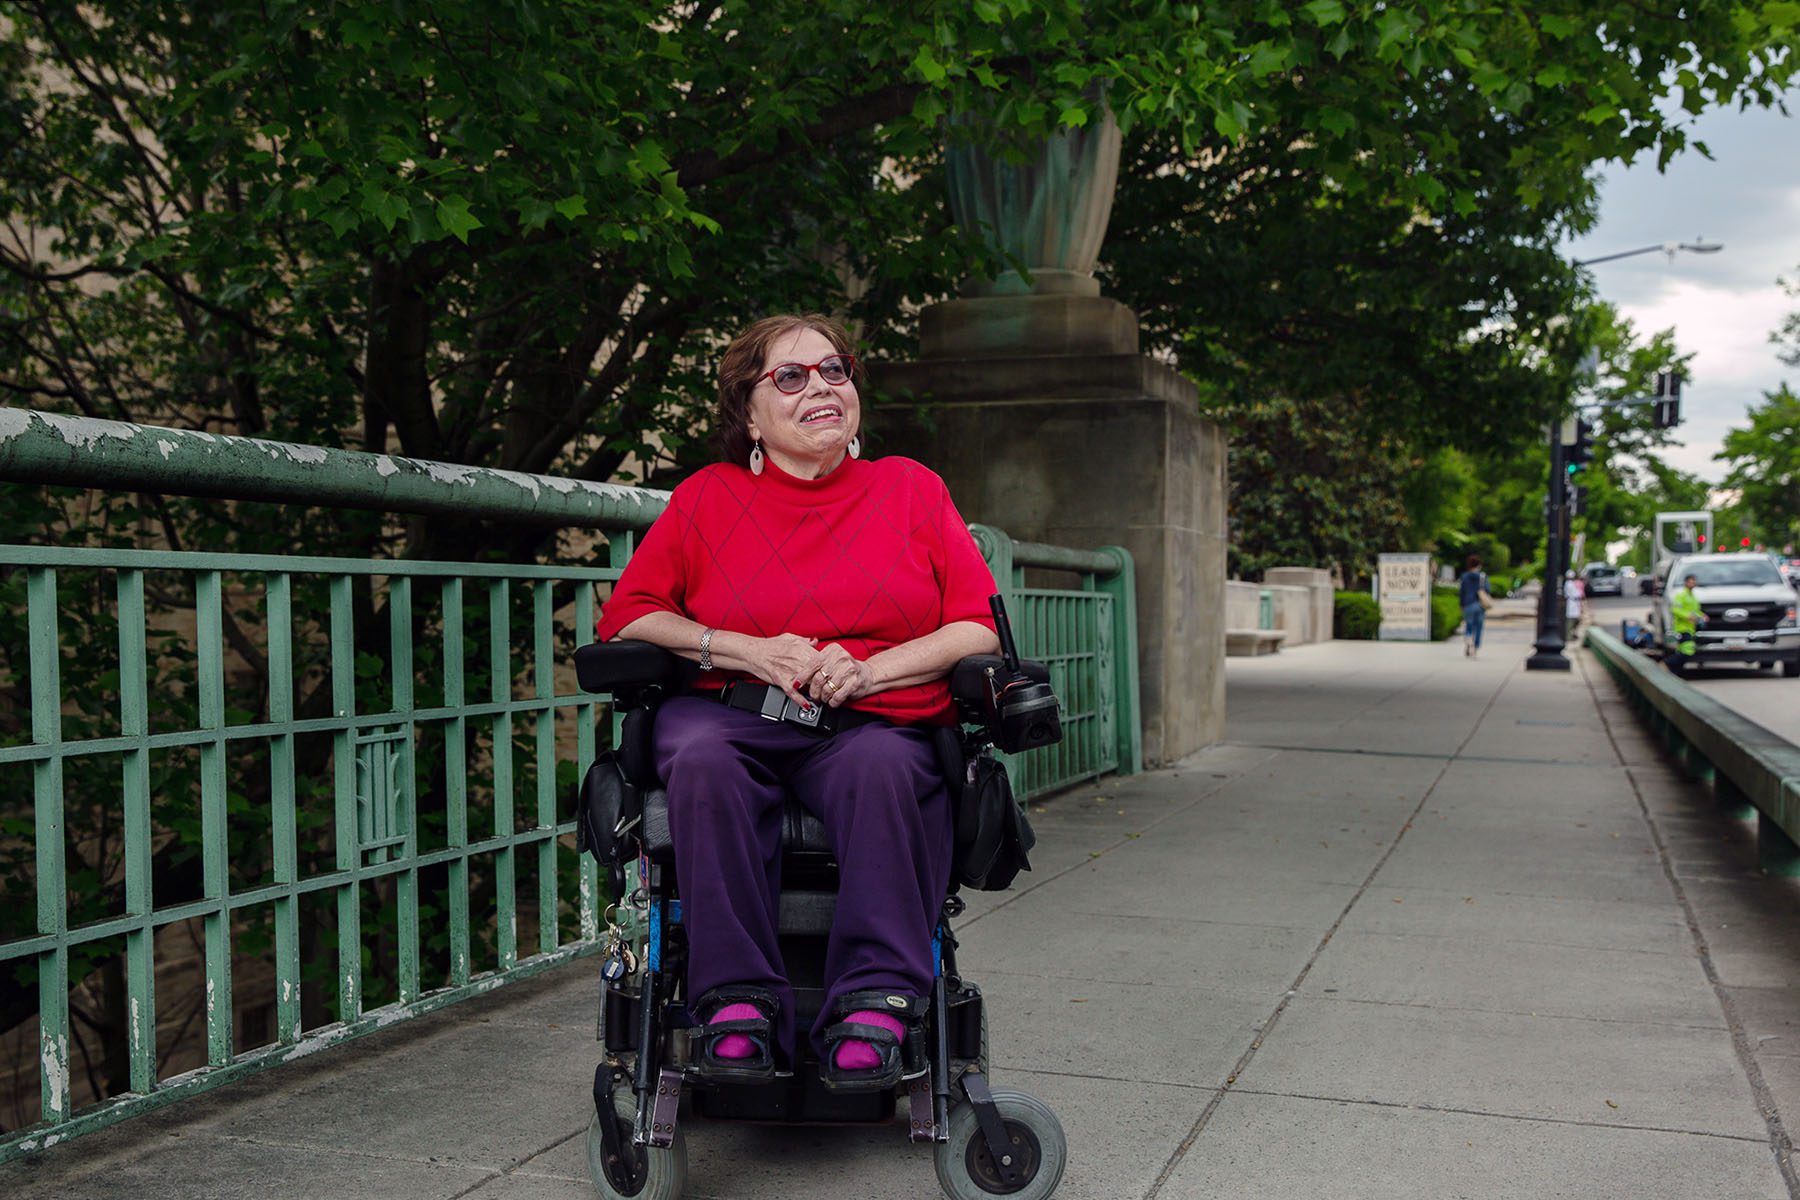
[[706, 663]]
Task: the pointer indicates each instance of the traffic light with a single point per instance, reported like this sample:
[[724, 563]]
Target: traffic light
[[1668, 399], [1581, 451], [1578, 501]]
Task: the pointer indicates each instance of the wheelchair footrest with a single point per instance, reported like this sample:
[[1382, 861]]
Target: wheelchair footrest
[[921, 1112], [665, 1107]]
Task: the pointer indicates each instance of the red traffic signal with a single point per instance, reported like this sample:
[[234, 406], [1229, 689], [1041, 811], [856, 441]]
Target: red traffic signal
[[1745, 543]]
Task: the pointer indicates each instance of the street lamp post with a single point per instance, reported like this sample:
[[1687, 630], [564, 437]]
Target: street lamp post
[[1547, 650], [1697, 246]]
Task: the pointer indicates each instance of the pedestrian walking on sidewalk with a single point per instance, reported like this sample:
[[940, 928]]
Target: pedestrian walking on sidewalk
[[1573, 595], [1473, 594]]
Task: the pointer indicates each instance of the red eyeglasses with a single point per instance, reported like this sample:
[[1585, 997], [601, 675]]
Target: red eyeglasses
[[791, 377]]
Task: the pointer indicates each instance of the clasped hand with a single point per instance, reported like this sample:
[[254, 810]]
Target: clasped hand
[[807, 672]]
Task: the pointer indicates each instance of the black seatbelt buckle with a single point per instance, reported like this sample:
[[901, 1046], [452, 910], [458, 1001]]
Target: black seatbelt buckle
[[777, 705], [805, 713]]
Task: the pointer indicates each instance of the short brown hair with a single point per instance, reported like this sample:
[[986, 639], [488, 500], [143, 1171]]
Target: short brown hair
[[742, 366]]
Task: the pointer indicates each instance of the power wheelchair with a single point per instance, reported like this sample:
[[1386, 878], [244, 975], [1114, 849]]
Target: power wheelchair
[[987, 1142]]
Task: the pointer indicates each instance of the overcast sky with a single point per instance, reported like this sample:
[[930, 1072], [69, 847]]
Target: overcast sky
[[1722, 306]]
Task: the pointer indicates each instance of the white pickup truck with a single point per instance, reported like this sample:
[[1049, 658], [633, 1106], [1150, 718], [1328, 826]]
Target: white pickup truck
[[1749, 607]]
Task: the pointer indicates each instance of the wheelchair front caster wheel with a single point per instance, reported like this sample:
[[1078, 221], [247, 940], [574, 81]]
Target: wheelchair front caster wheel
[[966, 1169], [642, 1172]]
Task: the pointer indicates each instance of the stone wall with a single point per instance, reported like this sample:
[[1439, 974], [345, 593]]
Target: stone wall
[[1321, 597], [1091, 451], [1295, 612]]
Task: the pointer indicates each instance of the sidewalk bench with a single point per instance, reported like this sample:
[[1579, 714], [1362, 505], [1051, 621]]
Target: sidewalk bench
[[1247, 643]]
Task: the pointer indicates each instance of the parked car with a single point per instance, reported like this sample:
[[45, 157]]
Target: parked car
[[1602, 580], [1750, 610]]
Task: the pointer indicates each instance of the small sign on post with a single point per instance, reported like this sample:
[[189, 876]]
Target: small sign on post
[[1403, 589]]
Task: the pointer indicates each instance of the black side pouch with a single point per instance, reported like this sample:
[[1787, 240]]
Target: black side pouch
[[999, 837], [607, 811]]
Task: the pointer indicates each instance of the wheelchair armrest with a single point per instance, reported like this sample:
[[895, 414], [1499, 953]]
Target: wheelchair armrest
[[626, 668], [968, 679]]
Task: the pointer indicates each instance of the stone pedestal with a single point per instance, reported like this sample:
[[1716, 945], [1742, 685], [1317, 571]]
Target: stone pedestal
[[1317, 581], [1086, 450]]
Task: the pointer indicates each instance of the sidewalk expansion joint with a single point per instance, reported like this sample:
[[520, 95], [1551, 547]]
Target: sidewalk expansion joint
[[1779, 1141], [1470, 758], [1634, 1022], [1268, 1026], [1526, 1118], [508, 1172]]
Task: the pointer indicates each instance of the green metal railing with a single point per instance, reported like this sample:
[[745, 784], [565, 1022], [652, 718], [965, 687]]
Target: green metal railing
[[1087, 636], [372, 830], [392, 748]]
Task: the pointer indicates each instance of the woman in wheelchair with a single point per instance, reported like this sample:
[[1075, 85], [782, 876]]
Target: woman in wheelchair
[[825, 598]]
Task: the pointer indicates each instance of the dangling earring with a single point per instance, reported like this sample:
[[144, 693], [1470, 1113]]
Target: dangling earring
[[855, 447], [756, 459]]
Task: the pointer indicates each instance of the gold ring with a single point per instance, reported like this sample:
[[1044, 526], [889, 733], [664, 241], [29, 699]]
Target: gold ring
[[831, 683]]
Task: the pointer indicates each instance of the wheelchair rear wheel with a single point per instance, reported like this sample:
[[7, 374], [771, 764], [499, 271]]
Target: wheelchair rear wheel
[[966, 1169], [645, 1172]]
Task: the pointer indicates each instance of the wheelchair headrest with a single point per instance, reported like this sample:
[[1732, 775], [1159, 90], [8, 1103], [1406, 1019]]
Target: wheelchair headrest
[[625, 667]]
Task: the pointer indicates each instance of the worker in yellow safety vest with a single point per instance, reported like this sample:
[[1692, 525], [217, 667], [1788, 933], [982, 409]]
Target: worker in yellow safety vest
[[1685, 618]]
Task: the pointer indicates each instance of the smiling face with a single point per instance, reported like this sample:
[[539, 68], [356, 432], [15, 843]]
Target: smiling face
[[805, 433]]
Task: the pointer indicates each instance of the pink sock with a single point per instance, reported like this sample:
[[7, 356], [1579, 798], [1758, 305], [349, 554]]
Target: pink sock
[[735, 1045], [857, 1055]]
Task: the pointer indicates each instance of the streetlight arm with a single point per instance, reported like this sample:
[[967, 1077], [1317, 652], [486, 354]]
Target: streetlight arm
[[1669, 248], [1588, 262]]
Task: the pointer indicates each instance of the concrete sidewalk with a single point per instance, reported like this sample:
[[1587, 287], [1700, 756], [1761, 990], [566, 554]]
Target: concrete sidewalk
[[1426, 927]]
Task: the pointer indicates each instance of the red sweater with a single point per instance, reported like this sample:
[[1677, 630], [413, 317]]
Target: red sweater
[[870, 556]]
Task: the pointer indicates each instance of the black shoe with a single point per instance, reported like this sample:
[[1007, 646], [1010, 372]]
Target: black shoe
[[900, 1056], [759, 1067]]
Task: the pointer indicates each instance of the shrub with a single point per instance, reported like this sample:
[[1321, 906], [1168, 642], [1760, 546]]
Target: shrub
[[1446, 613], [1355, 616], [1500, 586]]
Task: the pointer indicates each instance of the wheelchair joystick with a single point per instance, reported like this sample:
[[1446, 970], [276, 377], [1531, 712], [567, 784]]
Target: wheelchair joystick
[[1023, 713]]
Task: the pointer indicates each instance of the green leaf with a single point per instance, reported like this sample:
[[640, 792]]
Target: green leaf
[[534, 212], [1267, 59], [454, 215], [1394, 25], [1336, 121], [1324, 12], [1557, 26], [928, 67], [340, 220], [359, 34], [571, 207]]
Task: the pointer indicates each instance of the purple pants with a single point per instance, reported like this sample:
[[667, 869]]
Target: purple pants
[[879, 792]]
